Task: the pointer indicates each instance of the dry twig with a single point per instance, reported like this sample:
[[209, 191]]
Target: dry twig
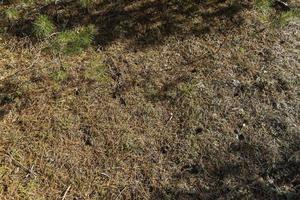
[[66, 192]]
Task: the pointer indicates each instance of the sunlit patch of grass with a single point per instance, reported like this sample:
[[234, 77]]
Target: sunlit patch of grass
[[263, 5], [97, 70], [288, 16], [15, 153], [264, 8], [188, 89], [12, 14], [130, 142], [3, 171], [59, 75], [267, 13], [26, 191]]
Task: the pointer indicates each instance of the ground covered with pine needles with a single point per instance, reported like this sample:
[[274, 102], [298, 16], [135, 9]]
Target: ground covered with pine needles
[[158, 101]]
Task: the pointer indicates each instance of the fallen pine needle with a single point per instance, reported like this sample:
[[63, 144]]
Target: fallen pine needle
[[66, 192]]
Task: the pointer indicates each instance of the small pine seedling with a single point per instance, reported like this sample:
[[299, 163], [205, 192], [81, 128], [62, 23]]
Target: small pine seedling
[[288, 16], [43, 27], [74, 41], [97, 70], [12, 14]]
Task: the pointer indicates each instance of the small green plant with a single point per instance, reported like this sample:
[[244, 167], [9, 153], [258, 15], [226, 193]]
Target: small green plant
[[268, 14], [60, 75], [12, 14], [74, 41], [43, 27], [97, 70], [264, 7], [26, 190], [288, 16]]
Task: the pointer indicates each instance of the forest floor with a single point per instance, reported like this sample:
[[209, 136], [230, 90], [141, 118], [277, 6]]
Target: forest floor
[[162, 106]]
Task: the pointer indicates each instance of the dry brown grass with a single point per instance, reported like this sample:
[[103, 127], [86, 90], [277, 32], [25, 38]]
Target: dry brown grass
[[209, 116]]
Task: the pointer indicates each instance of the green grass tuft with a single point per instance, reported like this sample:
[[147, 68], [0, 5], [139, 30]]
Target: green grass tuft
[[74, 41], [43, 27], [59, 75], [288, 16], [97, 71], [12, 14], [264, 7]]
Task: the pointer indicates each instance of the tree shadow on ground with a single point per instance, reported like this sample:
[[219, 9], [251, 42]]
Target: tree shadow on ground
[[251, 176], [144, 22]]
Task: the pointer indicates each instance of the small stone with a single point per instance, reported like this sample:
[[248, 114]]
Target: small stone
[[236, 83]]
